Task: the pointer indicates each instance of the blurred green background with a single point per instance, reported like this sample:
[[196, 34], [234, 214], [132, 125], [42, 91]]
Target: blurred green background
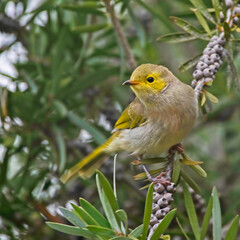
[[61, 70]]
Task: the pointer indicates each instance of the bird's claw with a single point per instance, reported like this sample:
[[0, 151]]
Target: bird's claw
[[176, 148], [160, 179]]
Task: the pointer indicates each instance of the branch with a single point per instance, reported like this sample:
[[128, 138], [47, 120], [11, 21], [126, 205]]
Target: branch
[[119, 31], [43, 210]]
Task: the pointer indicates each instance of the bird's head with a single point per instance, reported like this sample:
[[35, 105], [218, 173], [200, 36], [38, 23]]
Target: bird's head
[[149, 80]]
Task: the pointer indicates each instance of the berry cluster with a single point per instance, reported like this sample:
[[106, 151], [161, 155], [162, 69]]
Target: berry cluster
[[162, 198], [214, 53], [210, 61]]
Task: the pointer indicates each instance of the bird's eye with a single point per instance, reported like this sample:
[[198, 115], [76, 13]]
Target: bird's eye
[[150, 79]]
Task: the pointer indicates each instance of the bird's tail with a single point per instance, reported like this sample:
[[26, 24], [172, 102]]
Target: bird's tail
[[86, 167]]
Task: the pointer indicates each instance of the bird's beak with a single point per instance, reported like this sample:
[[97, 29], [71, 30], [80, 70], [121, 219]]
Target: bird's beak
[[131, 82]]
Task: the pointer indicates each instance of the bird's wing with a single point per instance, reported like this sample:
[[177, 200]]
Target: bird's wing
[[133, 116]]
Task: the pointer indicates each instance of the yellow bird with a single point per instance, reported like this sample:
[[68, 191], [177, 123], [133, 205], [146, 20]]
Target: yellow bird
[[161, 115]]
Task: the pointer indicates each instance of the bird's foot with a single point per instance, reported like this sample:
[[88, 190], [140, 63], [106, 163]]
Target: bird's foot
[[176, 148], [162, 179], [159, 179]]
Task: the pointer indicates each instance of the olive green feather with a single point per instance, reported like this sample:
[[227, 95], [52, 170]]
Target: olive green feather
[[132, 116]]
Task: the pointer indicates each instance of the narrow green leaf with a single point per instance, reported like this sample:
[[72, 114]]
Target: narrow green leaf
[[123, 238], [206, 219], [147, 212], [150, 161], [57, 58], [14, 79], [60, 108], [114, 176], [189, 161], [107, 188], [111, 216], [79, 122], [190, 181], [88, 207], [143, 174], [90, 28], [199, 170], [211, 97], [4, 168], [176, 37], [189, 64], [76, 231], [62, 149], [80, 5], [176, 170], [136, 232], [202, 21], [84, 215], [187, 27], [217, 8], [165, 237], [216, 213], [227, 30], [102, 231], [107, 207], [85, 7], [182, 230], [203, 99], [233, 229], [189, 205], [203, 9], [145, 186], [71, 217], [163, 225], [122, 216], [154, 160], [31, 82]]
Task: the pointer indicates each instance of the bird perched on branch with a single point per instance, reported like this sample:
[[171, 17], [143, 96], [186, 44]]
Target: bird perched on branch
[[161, 115]]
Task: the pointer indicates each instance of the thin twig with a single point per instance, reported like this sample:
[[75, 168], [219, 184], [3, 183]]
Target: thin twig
[[119, 31], [43, 210]]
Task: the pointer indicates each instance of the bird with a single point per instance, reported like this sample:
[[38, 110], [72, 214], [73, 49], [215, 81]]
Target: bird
[[163, 112]]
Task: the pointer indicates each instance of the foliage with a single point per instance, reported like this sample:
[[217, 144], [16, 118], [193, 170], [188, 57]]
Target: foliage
[[115, 225], [91, 224], [69, 82]]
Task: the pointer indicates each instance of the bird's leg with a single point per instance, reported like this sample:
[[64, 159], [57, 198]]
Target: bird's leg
[[176, 148], [158, 179], [162, 179], [150, 178]]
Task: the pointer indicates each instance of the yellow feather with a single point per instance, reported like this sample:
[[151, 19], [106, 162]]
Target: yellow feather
[[132, 116], [95, 155]]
